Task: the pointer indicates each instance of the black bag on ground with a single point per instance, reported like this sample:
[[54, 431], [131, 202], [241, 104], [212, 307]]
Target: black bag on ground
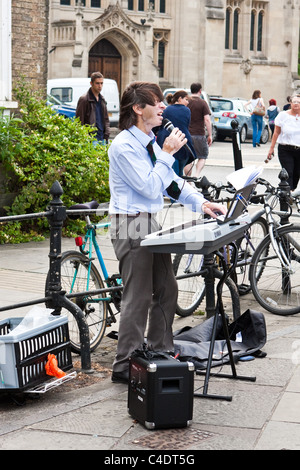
[[193, 344]]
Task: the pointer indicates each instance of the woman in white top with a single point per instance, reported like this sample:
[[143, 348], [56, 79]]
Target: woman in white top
[[287, 133], [257, 120]]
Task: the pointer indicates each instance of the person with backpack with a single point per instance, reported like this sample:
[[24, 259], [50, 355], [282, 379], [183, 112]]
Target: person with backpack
[[271, 114]]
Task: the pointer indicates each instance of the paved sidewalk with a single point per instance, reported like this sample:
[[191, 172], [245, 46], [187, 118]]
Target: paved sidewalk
[[264, 414]]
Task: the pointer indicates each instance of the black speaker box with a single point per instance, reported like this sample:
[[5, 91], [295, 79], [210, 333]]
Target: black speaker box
[[160, 390]]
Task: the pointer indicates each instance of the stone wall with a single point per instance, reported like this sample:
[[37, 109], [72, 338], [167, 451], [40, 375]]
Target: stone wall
[[30, 41]]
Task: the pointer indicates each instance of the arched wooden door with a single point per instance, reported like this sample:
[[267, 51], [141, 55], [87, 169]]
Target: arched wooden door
[[105, 58]]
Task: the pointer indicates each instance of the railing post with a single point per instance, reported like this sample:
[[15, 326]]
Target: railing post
[[56, 217]]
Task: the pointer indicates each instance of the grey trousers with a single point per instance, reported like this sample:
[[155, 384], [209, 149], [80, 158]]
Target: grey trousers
[[150, 289]]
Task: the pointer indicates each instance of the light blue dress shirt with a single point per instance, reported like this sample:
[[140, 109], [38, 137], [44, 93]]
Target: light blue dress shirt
[[138, 186]]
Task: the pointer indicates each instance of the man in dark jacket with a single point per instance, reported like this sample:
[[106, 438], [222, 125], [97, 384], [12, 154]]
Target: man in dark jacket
[[92, 109]]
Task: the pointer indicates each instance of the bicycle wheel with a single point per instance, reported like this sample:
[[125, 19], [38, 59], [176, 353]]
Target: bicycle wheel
[[233, 292], [276, 287], [74, 279], [246, 248], [191, 290]]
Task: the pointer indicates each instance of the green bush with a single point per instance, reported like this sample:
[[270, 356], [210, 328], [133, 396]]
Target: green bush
[[38, 147]]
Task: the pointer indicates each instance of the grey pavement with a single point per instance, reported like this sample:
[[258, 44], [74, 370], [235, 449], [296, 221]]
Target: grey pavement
[[263, 415]]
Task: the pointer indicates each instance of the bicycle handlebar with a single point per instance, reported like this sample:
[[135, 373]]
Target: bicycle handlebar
[[202, 183]]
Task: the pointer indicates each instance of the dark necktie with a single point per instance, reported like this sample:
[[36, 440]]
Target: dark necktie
[[173, 190]]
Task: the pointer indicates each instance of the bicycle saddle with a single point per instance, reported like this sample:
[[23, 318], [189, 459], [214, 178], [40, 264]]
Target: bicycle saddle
[[85, 206], [74, 211]]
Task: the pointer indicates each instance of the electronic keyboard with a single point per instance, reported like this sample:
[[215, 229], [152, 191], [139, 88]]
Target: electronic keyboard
[[202, 236]]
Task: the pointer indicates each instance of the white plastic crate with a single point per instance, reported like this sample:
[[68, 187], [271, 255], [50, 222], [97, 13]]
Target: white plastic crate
[[24, 351]]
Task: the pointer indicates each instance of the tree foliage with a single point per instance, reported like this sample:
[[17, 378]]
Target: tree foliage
[[38, 147]]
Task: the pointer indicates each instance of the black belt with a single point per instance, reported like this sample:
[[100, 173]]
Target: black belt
[[290, 147], [142, 214]]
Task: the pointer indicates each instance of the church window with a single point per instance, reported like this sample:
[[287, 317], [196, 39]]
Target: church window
[[232, 23], [96, 3], [158, 6], [152, 4], [160, 44], [257, 27], [162, 6]]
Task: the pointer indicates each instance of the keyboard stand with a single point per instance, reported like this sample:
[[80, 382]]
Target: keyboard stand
[[218, 310], [182, 239]]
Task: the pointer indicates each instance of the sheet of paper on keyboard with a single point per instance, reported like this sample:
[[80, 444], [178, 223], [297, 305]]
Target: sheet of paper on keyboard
[[245, 176]]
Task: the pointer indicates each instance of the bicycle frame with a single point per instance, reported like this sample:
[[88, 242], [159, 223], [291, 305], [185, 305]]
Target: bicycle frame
[[86, 247], [272, 224]]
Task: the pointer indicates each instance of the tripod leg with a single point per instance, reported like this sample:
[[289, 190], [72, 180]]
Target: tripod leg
[[209, 279], [210, 354], [220, 311]]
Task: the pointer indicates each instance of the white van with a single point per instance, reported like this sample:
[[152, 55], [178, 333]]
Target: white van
[[69, 90]]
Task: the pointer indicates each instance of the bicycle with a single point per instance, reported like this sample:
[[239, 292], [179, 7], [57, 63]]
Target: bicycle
[[81, 280], [274, 266], [275, 269], [189, 268]]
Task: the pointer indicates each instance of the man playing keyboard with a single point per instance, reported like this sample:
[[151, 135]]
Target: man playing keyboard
[[140, 175]]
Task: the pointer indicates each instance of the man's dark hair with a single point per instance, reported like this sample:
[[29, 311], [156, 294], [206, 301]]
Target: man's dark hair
[[141, 94], [96, 75], [195, 88]]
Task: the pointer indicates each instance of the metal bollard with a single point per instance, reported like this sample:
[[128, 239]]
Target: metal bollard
[[284, 194], [236, 143]]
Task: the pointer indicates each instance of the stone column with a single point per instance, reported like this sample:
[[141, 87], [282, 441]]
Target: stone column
[[5, 57]]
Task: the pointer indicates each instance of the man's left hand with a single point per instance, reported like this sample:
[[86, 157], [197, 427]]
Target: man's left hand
[[213, 209]]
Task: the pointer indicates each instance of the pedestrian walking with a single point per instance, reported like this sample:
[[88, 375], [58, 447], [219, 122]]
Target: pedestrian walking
[[272, 111], [287, 134], [258, 111], [92, 110], [200, 121], [179, 114], [288, 104]]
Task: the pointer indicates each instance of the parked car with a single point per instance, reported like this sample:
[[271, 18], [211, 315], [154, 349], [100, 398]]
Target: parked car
[[61, 108], [205, 97], [227, 109]]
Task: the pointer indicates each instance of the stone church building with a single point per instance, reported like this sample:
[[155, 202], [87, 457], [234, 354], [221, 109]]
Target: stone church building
[[231, 46]]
